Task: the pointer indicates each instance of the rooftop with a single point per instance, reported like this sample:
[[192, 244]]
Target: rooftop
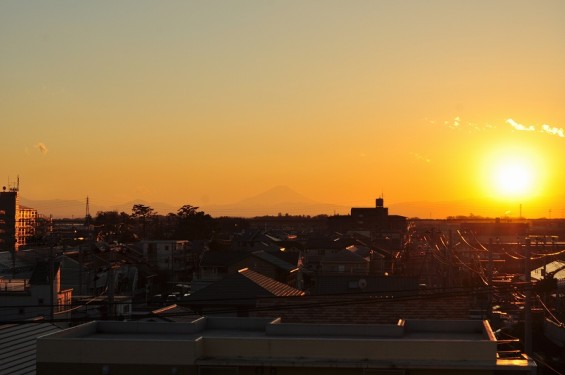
[[18, 346], [451, 344]]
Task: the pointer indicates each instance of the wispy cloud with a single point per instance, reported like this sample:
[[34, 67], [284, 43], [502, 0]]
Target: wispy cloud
[[420, 157], [459, 123], [555, 131], [455, 123], [518, 126], [531, 128], [42, 148]]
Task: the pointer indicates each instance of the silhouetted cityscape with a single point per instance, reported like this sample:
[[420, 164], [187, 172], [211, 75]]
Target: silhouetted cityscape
[[282, 187], [494, 286]]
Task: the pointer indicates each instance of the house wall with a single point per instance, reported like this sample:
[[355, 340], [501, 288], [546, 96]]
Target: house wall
[[360, 268], [34, 300], [168, 256]]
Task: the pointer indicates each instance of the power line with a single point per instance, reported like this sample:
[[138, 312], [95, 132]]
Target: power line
[[342, 299]]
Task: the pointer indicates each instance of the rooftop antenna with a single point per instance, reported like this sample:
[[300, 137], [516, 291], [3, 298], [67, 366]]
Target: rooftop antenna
[[14, 187]]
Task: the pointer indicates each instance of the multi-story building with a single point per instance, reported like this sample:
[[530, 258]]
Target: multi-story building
[[25, 225], [17, 223], [386, 231], [8, 219]]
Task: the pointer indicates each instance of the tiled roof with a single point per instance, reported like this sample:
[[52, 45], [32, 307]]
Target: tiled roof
[[241, 288], [362, 251], [18, 345], [274, 287], [274, 260]]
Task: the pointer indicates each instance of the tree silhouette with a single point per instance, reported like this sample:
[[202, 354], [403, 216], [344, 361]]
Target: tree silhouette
[[193, 224], [143, 214], [112, 225]]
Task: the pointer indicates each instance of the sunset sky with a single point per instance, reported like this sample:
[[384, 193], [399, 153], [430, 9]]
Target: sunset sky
[[210, 102]]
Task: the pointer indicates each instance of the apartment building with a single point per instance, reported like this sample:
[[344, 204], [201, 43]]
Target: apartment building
[[26, 224], [17, 223], [8, 219]]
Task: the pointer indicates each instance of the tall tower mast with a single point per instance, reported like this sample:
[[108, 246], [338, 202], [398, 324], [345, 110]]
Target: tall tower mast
[[87, 217]]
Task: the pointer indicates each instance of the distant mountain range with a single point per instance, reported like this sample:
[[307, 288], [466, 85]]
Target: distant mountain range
[[284, 200], [280, 199]]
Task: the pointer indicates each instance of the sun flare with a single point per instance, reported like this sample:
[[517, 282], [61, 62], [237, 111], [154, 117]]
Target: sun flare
[[513, 178], [512, 173]]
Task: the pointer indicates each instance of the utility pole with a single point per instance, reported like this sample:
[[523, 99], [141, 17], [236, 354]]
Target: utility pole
[[51, 279], [490, 271], [80, 261], [450, 271], [528, 303], [111, 307]]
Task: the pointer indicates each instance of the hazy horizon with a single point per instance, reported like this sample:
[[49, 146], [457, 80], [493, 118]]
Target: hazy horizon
[[284, 200], [209, 103]]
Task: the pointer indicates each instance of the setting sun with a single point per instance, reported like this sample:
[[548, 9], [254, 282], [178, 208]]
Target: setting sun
[[513, 178], [513, 172]]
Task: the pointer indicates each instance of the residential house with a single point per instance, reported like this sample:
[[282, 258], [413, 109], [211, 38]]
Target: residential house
[[217, 264], [347, 271], [40, 295], [344, 262], [236, 294], [172, 257]]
